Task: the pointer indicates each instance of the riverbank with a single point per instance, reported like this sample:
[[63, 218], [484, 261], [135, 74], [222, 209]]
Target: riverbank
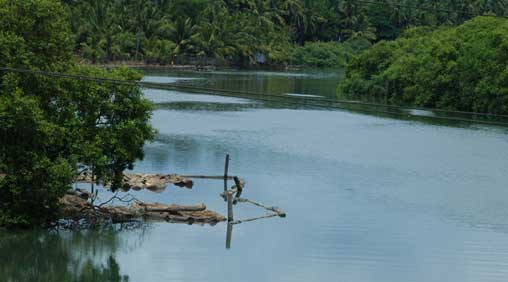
[[191, 67]]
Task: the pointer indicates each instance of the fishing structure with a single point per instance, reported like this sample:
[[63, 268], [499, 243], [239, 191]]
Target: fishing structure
[[78, 208]]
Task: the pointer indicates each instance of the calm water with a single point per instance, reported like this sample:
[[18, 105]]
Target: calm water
[[368, 198]]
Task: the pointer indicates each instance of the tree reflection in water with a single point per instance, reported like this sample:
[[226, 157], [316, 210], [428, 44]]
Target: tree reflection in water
[[78, 256]]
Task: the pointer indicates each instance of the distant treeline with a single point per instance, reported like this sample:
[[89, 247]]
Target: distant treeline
[[246, 32], [462, 68]]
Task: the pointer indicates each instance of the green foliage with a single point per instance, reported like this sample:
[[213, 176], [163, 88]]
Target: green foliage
[[50, 127], [36, 23], [462, 68], [322, 54], [112, 122], [238, 31], [34, 178], [160, 51], [234, 32], [329, 54]]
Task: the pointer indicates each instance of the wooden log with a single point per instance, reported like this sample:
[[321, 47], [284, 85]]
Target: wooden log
[[188, 217], [75, 207], [171, 208]]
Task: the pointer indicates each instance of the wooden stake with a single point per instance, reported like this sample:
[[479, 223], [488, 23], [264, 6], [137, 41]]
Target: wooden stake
[[254, 218], [230, 206], [276, 210], [226, 167]]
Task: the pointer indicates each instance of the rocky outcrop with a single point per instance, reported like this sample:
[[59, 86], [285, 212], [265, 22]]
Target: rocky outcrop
[[138, 181]]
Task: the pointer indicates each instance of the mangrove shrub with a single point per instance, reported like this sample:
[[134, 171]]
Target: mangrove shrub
[[462, 68], [51, 127]]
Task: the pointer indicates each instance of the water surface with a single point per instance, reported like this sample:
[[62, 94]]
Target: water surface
[[368, 198]]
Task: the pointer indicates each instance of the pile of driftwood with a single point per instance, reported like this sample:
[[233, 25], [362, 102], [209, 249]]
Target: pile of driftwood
[[138, 181], [75, 206]]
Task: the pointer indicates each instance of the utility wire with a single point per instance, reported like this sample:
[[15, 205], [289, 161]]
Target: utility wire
[[441, 10], [331, 106], [346, 102], [206, 89], [330, 103]]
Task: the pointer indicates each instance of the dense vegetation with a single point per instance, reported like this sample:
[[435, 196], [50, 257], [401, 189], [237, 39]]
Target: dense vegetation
[[462, 68], [50, 128], [329, 54], [248, 31]]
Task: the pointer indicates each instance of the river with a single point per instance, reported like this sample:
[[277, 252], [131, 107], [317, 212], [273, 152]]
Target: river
[[368, 198]]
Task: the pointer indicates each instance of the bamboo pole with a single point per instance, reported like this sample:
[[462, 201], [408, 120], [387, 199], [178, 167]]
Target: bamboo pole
[[254, 218], [226, 167], [276, 210]]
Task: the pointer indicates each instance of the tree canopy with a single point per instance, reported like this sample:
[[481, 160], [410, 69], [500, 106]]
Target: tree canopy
[[461, 68], [236, 31], [51, 127]]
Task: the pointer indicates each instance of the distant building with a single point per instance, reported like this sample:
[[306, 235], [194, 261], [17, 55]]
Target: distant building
[[260, 58]]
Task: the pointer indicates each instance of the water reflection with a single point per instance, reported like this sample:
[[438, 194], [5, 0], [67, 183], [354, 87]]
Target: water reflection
[[370, 198], [65, 256], [318, 82], [229, 235]]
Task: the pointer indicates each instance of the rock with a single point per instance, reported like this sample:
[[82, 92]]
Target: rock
[[156, 184], [152, 182]]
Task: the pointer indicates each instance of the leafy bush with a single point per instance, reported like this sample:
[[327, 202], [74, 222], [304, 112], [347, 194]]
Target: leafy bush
[[462, 68], [49, 127], [328, 54]]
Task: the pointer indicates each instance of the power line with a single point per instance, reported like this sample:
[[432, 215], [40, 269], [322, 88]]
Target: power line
[[70, 76], [330, 103], [197, 88], [441, 10], [365, 111], [346, 102]]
